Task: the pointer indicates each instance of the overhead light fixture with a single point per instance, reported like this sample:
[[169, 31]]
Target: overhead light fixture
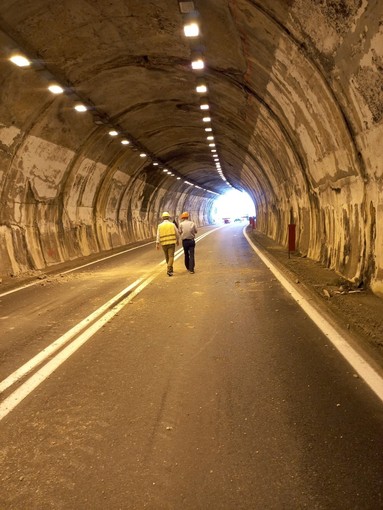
[[186, 7], [213, 150], [198, 63], [55, 89], [201, 88], [20, 60], [80, 107], [191, 29], [211, 144], [125, 142], [206, 119], [208, 129], [155, 163], [113, 133], [204, 106], [142, 155], [210, 137]]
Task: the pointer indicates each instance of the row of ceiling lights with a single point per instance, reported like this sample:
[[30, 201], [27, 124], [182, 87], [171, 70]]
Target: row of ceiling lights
[[22, 61], [192, 30]]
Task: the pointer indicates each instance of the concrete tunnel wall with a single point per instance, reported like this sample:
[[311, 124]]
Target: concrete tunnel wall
[[66, 189], [300, 88]]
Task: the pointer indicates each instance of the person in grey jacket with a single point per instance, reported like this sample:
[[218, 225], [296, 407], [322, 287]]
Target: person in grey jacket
[[188, 230]]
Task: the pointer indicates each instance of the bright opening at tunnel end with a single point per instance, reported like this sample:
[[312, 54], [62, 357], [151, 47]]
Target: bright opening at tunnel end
[[233, 206]]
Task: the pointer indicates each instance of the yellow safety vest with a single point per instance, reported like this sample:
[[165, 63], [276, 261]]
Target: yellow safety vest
[[167, 233]]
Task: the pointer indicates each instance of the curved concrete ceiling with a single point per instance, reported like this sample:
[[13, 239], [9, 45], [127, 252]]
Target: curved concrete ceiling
[[294, 89]]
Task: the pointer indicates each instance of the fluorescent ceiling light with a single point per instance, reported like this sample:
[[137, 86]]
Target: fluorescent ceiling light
[[206, 119], [142, 155], [113, 133], [204, 106], [155, 163], [210, 138], [55, 89], [191, 29], [198, 63], [80, 108], [211, 144], [20, 60], [125, 142], [208, 129]]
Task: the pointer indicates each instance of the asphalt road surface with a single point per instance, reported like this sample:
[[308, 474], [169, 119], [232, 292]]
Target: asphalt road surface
[[123, 388]]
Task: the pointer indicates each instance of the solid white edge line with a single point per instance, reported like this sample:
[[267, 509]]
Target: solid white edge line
[[359, 364]]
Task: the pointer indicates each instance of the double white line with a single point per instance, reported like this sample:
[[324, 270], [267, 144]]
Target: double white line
[[77, 336]]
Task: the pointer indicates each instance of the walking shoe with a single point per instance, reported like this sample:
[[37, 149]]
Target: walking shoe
[[191, 272], [169, 273]]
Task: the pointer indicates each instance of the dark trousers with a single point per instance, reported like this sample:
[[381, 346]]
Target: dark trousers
[[188, 246]]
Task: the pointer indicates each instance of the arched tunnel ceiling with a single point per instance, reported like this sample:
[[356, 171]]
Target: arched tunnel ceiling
[[131, 60], [296, 106]]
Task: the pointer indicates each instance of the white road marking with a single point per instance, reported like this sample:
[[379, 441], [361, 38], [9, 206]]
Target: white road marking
[[85, 330], [359, 364], [62, 340]]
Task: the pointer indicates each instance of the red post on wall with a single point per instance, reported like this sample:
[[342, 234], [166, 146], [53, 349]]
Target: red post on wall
[[291, 237]]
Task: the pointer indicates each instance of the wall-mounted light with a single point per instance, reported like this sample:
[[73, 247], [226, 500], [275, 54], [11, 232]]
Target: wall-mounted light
[[80, 108], [20, 60], [55, 88]]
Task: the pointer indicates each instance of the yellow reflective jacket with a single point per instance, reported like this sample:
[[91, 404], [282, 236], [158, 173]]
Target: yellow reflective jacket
[[167, 233]]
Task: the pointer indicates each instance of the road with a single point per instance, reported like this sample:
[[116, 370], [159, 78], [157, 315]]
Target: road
[[205, 391]]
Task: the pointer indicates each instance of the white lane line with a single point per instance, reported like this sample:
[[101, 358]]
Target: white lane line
[[62, 340], [359, 364], [44, 372]]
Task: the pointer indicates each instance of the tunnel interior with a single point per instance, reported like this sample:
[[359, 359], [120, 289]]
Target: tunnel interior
[[282, 99]]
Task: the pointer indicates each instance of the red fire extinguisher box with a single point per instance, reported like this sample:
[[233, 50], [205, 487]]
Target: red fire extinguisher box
[[292, 237]]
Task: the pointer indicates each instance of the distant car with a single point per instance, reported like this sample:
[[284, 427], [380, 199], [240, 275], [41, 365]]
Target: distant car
[[237, 219], [226, 220]]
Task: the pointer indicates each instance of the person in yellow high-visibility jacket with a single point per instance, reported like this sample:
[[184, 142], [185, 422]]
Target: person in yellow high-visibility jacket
[[168, 237]]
